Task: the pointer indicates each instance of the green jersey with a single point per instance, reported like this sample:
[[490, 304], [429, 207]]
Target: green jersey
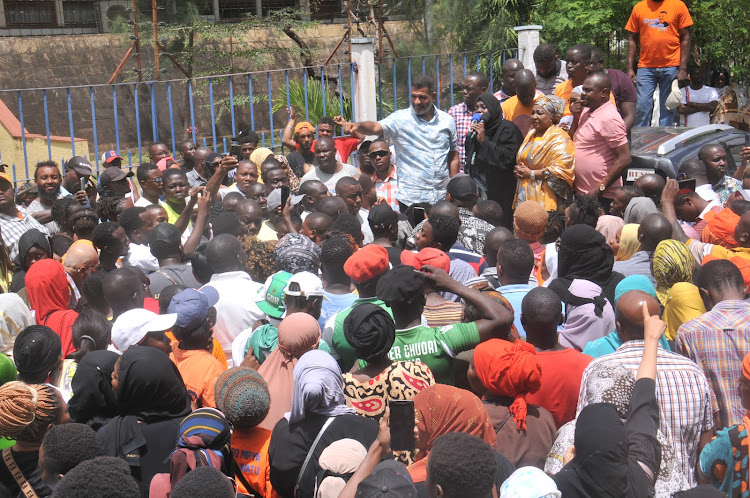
[[334, 332], [435, 347]]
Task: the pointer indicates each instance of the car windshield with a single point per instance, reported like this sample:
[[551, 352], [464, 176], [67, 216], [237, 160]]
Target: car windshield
[[646, 140]]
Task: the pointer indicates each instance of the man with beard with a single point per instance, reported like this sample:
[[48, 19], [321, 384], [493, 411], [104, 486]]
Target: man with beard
[[550, 71], [187, 151], [49, 182], [425, 142]]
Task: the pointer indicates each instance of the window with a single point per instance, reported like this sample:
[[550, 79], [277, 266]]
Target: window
[[30, 13], [79, 13]]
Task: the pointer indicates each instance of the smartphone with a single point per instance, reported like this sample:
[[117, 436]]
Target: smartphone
[[236, 151], [747, 139], [284, 195], [402, 425], [83, 183], [688, 184]]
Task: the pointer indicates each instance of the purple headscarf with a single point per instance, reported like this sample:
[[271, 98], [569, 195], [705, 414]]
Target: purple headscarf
[[318, 387]]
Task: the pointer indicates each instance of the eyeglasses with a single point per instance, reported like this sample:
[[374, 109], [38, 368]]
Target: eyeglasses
[[379, 153], [155, 180]]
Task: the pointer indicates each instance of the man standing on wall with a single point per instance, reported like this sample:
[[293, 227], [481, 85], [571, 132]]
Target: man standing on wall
[[662, 29]]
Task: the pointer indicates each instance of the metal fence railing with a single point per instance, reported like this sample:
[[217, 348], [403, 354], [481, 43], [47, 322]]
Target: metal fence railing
[[59, 122]]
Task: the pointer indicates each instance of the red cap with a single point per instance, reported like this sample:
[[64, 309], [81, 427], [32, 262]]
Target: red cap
[[367, 263], [427, 256]]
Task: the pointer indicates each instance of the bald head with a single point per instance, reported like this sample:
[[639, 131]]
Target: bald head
[[492, 243], [652, 185], [447, 208], [653, 229], [596, 90], [332, 206], [81, 255], [541, 313], [510, 68], [525, 83], [629, 314]]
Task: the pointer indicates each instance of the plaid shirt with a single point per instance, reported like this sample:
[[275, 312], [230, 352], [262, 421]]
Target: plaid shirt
[[387, 189], [682, 391], [718, 341], [13, 227], [462, 116]]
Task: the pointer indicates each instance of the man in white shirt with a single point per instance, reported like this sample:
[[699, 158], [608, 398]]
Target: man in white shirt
[[698, 100], [349, 189], [138, 223], [329, 170], [236, 309]]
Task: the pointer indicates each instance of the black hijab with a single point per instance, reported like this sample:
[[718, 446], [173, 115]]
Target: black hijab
[[93, 400], [585, 254], [494, 110], [150, 387], [29, 239], [600, 467]]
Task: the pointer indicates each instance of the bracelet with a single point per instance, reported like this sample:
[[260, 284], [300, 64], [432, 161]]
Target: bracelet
[[532, 175]]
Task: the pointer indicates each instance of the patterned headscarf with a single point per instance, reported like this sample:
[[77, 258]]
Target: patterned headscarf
[[552, 105], [672, 263], [296, 253]]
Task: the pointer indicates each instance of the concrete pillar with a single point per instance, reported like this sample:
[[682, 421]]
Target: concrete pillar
[[258, 8], [365, 79], [2, 14], [528, 40], [59, 14], [216, 10]]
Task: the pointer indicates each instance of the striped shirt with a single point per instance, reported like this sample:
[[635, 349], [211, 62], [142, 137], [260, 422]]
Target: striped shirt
[[12, 227], [683, 393], [718, 341]]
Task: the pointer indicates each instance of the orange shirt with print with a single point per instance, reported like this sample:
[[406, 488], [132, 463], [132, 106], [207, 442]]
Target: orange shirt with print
[[564, 89], [514, 110], [250, 450], [199, 371], [658, 25]]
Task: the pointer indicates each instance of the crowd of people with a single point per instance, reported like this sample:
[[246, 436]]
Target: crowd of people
[[242, 325]]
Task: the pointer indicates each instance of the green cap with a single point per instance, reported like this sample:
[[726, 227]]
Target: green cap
[[273, 294]]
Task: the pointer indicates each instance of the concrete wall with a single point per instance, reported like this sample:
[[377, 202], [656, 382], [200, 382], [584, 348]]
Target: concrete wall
[[62, 61]]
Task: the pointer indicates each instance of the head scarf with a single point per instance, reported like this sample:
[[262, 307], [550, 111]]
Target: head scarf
[[318, 388], [337, 463], [93, 397], [527, 482], [296, 253], [298, 334], [683, 303], [719, 228], [29, 239], [263, 341], [629, 243], [36, 351], [600, 467], [494, 110], [7, 369], [509, 369], [258, 156], [14, 317], [554, 106], [609, 225], [589, 315], [150, 386], [441, 409], [203, 442], [634, 282], [49, 296], [370, 331], [584, 254], [638, 208], [672, 262]]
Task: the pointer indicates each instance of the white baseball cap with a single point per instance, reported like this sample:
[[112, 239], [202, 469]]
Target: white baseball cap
[[132, 326], [309, 284]]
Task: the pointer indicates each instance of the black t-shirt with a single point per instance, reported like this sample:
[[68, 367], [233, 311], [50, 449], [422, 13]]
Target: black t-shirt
[[297, 163], [27, 461]]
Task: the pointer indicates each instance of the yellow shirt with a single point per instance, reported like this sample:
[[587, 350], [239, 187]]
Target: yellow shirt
[[267, 233]]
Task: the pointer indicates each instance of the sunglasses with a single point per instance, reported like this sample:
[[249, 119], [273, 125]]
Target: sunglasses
[[379, 153]]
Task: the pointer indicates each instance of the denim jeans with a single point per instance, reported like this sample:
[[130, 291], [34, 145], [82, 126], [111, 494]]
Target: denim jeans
[[646, 80]]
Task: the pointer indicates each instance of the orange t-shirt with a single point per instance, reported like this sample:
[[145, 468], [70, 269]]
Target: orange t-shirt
[[250, 450], [658, 25], [564, 89], [217, 351], [199, 371], [520, 114]]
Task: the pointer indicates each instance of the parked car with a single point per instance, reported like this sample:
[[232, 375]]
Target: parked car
[[663, 149]]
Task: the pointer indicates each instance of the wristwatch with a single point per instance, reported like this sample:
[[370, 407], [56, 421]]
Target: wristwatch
[[602, 187], [532, 175]]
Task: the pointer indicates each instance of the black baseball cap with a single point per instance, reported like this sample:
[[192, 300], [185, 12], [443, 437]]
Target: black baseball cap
[[402, 284], [462, 187], [246, 136], [382, 216], [80, 164], [113, 174]]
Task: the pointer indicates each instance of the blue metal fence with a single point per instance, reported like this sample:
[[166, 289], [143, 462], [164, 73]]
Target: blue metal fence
[[210, 110]]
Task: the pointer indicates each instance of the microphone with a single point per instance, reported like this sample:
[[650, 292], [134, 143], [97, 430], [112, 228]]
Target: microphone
[[478, 118]]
